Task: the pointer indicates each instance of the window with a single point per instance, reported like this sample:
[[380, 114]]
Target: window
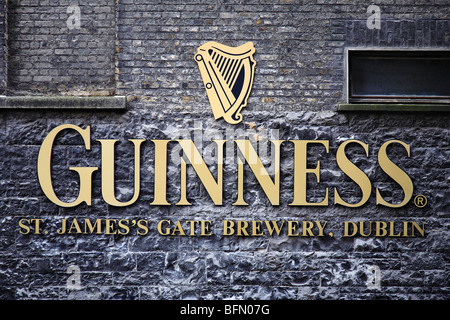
[[416, 78]]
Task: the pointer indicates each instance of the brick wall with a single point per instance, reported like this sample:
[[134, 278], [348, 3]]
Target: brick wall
[[2, 48], [51, 54], [299, 80]]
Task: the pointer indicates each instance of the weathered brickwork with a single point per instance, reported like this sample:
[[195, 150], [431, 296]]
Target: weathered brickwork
[[3, 49], [299, 81], [49, 53]]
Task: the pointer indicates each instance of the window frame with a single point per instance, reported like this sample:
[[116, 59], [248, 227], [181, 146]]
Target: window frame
[[389, 103]]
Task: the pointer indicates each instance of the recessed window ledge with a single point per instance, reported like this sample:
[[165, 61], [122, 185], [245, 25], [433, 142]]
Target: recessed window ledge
[[63, 102], [394, 107]]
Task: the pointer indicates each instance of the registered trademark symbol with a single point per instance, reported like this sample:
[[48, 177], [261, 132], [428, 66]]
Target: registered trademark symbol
[[420, 201]]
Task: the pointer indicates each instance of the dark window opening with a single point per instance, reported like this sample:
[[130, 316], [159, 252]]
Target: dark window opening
[[399, 76]]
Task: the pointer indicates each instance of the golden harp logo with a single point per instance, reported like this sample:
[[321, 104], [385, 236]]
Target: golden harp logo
[[227, 73]]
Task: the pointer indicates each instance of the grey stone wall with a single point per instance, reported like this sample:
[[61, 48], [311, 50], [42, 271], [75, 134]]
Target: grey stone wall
[[299, 81]]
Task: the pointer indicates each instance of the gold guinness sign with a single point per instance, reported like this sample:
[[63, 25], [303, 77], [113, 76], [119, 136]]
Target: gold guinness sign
[[214, 186], [227, 73]]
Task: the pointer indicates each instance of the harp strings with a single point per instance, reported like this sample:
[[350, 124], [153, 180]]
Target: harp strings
[[229, 68]]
